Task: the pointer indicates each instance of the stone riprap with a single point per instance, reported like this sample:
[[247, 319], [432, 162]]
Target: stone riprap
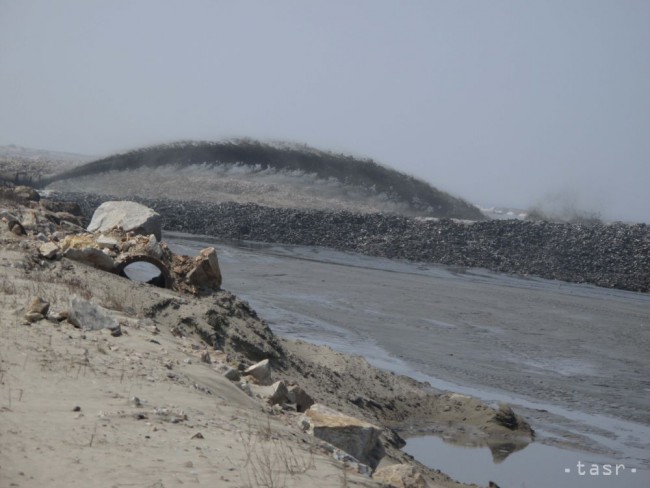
[[609, 255]]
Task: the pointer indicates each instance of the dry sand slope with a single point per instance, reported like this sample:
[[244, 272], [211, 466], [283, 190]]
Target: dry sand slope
[[151, 407]]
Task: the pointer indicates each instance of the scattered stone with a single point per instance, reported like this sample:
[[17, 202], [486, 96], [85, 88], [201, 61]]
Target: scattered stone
[[38, 305], [198, 435], [171, 416], [506, 417], [77, 409], [129, 216], [108, 242], [153, 247], [205, 357], [92, 257], [88, 316], [206, 272], [351, 462], [300, 398], [7, 216], [77, 241], [276, 394], [49, 250], [150, 326], [32, 317], [279, 393], [261, 372], [16, 228], [356, 437], [232, 374], [400, 476], [36, 310], [59, 316]]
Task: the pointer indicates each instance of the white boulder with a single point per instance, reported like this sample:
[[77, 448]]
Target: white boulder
[[130, 216]]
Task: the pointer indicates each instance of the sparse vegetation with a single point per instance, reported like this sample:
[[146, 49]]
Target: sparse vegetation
[[270, 460]]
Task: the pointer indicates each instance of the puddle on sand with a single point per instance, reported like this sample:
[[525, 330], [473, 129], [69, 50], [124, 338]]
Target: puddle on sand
[[535, 466]]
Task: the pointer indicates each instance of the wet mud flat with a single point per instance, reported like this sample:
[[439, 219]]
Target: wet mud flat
[[572, 358]]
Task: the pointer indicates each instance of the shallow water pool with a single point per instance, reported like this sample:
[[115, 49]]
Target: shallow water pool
[[535, 466]]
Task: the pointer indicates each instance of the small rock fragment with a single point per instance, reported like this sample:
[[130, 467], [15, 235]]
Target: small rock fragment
[[48, 250], [32, 317], [206, 272], [261, 372], [300, 398], [88, 316], [232, 374], [400, 476], [92, 257], [36, 310], [106, 242]]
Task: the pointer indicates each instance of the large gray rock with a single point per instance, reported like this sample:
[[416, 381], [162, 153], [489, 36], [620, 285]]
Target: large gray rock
[[88, 316], [358, 438], [130, 216]]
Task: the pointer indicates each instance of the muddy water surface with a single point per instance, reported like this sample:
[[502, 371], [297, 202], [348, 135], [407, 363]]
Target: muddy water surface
[[572, 358]]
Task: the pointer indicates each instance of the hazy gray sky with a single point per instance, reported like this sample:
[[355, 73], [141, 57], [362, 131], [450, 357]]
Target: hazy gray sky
[[500, 102]]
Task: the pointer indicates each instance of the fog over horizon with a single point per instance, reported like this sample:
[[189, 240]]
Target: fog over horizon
[[504, 103]]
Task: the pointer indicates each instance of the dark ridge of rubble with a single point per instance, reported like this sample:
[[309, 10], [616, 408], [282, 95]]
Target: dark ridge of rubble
[[418, 196], [607, 255]]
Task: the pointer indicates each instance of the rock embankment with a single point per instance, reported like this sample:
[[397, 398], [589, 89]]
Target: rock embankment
[[607, 255]]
